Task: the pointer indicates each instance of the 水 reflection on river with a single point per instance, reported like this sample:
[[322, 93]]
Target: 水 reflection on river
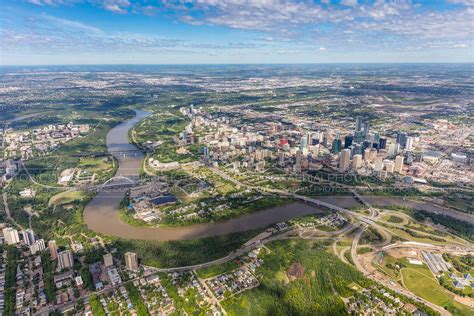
[[102, 213]]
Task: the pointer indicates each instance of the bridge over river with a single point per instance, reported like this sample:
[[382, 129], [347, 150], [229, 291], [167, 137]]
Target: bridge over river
[[102, 213]]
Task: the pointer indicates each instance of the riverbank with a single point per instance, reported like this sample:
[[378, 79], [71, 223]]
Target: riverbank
[[102, 214]]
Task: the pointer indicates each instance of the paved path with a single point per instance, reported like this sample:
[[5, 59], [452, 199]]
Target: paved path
[[7, 210]]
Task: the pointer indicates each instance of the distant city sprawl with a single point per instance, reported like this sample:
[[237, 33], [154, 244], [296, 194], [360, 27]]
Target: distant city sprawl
[[237, 190]]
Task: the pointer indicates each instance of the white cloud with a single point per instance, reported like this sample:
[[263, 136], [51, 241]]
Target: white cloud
[[468, 3], [349, 3], [48, 2], [116, 6], [70, 24], [377, 25]]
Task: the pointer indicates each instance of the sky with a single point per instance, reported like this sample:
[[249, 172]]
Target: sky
[[42, 32]]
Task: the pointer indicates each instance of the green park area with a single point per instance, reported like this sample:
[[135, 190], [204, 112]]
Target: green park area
[[161, 129], [298, 278], [420, 281], [390, 266], [221, 185], [184, 252], [392, 219], [67, 197]]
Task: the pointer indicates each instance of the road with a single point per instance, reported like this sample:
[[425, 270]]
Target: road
[[366, 221], [153, 271], [355, 243], [7, 210], [393, 287]]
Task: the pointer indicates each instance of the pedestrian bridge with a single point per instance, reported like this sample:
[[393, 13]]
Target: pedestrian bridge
[[122, 181]]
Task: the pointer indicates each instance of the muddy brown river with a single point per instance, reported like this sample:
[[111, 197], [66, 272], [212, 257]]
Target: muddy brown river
[[102, 213]]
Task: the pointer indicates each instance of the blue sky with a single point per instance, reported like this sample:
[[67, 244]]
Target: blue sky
[[235, 31]]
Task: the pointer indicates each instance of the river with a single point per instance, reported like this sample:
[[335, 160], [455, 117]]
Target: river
[[102, 213]]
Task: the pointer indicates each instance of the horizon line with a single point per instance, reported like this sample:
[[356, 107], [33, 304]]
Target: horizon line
[[237, 64]]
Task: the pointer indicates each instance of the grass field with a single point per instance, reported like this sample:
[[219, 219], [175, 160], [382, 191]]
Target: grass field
[[405, 235], [94, 164], [392, 219], [388, 266], [421, 281], [66, 197]]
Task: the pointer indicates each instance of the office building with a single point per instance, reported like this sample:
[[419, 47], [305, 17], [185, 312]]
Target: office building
[[281, 159], [398, 164], [336, 145], [65, 260], [131, 261], [366, 130], [357, 162], [388, 165], [367, 144], [409, 143], [344, 159], [402, 139], [304, 142], [260, 166], [357, 149], [28, 236], [378, 164], [348, 141], [53, 249], [358, 126], [367, 154], [382, 143], [315, 140], [394, 149], [11, 236], [376, 137], [359, 137], [108, 260]]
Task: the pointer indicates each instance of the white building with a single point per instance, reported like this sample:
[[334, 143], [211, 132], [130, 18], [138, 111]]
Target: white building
[[378, 165], [357, 162], [108, 260], [11, 236], [65, 260], [344, 159], [388, 165], [398, 164], [114, 276], [410, 143], [131, 261], [38, 245], [459, 158]]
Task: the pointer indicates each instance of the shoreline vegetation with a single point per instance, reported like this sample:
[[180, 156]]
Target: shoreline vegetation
[[126, 215], [67, 222]]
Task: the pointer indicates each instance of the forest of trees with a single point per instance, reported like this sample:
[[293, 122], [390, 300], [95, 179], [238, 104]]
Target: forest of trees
[[460, 228], [318, 292]]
